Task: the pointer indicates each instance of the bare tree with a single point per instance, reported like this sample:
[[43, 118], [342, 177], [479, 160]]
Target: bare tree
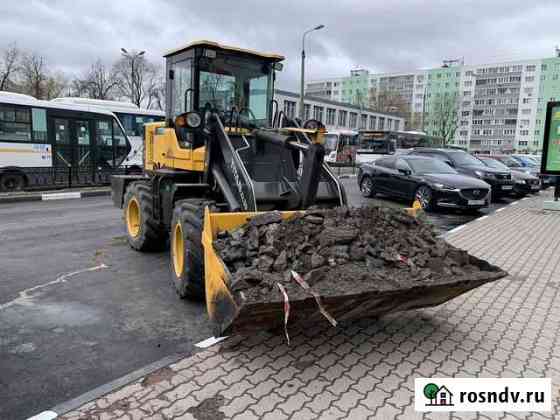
[[34, 75], [135, 77], [98, 82], [55, 85], [9, 66], [444, 117], [155, 88], [389, 101]]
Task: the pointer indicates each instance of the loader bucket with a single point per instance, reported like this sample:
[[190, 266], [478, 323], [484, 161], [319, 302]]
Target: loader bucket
[[232, 314]]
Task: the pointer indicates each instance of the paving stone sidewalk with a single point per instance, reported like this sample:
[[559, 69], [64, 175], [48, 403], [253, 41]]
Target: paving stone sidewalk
[[366, 369]]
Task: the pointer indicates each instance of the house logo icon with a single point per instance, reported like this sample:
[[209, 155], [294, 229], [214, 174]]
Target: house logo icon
[[438, 396]]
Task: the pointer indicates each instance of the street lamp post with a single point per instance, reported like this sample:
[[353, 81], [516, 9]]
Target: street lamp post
[[302, 85], [132, 58]]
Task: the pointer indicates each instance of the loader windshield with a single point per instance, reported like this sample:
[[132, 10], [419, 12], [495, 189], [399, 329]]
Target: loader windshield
[[243, 85]]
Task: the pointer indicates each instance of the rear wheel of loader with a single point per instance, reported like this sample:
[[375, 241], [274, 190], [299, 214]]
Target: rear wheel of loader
[[143, 233], [187, 255]]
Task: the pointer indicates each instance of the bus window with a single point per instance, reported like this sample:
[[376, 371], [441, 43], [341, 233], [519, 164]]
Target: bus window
[[15, 124], [62, 131], [39, 119], [82, 130]]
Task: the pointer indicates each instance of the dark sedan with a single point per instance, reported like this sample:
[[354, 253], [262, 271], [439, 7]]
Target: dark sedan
[[465, 164], [430, 181], [524, 183]]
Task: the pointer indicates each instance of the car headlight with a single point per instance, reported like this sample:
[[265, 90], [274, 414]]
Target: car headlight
[[441, 186], [480, 173], [520, 181]]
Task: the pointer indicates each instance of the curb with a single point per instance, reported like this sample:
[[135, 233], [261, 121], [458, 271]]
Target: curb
[[49, 196], [95, 393]]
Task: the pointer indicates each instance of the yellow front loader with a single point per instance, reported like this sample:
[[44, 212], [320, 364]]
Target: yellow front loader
[[225, 152]]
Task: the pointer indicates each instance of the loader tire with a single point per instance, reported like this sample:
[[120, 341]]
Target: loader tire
[[186, 254], [142, 231]]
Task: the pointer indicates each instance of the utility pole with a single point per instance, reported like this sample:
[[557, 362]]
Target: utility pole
[[132, 58], [302, 81]]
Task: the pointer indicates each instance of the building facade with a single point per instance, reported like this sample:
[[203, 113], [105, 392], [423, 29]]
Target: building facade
[[498, 107], [337, 115]]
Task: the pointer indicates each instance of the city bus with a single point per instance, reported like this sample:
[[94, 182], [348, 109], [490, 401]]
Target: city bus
[[340, 146], [132, 119], [374, 144], [43, 143]]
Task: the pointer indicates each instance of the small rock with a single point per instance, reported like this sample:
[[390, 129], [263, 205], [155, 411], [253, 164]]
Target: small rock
[[317, 260], [266, 218], [265, 262], [281, 262], [316, 220]]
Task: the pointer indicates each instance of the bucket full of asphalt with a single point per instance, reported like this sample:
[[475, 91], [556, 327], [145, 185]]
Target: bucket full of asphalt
[[340, 264]]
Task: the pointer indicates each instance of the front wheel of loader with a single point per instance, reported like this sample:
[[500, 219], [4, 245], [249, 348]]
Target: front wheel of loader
[[142, 231], [186, 254]]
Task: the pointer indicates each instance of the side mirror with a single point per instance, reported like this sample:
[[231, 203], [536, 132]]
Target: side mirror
[[449, 163]]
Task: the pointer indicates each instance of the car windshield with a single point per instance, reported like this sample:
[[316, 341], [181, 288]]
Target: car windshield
[[510, 162], [526, 160], [493, 163], [463, 158], [430, 166]]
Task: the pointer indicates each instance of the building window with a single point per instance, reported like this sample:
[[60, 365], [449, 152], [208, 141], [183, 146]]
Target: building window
[[290, 109], [331, 116], [318, 113], [467, 93], [530, 68], [529, 78], [363, 122], [306, 112], [342, 118], [353, 120], [381, 123], [372, 122], [524, 132]]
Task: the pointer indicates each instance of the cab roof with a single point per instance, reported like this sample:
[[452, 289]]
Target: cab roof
[[214, 45]]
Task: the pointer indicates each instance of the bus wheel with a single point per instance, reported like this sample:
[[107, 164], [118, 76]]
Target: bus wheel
[[11, 182]]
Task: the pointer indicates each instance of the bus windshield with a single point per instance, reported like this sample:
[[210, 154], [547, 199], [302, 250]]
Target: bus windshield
[[331, 142], [134, 123]]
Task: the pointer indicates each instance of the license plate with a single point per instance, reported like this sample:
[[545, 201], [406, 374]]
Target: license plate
[[507, 187], [535, 187], [476, 202]]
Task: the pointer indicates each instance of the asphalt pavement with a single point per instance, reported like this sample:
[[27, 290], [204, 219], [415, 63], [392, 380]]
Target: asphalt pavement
[[79, 308]]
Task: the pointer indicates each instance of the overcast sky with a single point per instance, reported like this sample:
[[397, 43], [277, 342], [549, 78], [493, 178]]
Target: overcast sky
[[379, 35]]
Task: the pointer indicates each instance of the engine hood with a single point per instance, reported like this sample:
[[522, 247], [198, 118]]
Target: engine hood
[[455, 180]]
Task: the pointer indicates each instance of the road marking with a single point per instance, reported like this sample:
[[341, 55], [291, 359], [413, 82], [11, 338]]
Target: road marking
[[210, 341], [483, 217], [25, 295], [457, 228], [61, 196], [45, 415], [500, 209]]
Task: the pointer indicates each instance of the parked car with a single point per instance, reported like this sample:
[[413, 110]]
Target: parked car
[[430, 181], [466, 164], [533, 164], [524, 183]]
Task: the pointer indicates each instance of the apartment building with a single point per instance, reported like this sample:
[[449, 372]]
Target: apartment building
[[337, 115], [497, 107]]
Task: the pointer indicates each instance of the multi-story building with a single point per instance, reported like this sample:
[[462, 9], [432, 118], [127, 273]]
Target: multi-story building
[[337, 115], [487, 107]]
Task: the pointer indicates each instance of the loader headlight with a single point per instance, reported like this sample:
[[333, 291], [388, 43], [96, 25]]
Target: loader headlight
[[188, 120]]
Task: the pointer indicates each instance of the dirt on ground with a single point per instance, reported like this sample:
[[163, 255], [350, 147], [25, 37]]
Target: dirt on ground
[[341, 251]]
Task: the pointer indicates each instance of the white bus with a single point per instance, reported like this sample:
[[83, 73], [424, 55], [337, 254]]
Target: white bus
[[340, 146], [43, 143], [131, 117]]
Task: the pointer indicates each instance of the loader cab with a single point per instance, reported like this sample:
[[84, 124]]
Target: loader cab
[[235, 83]]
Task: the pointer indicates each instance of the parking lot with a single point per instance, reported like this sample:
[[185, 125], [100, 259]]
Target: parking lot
[[80, 308]]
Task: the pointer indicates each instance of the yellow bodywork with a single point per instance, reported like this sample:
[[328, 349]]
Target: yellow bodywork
[[162, 150], [220, 303]]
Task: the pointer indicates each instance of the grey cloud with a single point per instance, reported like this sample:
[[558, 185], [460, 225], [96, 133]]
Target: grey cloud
[[380, 35]]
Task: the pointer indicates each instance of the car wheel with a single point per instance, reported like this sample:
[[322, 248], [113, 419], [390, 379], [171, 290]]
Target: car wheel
[[424, 196], [367, 187]]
